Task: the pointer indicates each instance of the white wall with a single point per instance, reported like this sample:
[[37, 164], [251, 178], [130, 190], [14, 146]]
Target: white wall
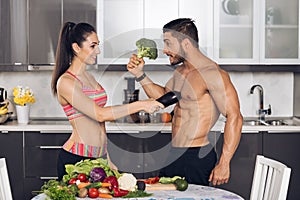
[[278, 90]]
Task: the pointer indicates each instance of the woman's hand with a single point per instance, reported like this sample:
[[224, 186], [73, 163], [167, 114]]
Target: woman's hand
[[136, 65], [151, 106]]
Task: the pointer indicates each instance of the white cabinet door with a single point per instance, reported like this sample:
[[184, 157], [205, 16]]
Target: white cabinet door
[[120, 24], [256, 31], [201, 11], [280, 31], [236, 34], [156, 14]]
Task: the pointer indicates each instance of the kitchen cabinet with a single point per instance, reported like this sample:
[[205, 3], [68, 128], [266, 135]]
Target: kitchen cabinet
[[45, 21], [284, 147], [256, 32], [143, 153], [40, 158], [243, 163], [145, 18], [140, 153], [201, 11], [11, 143], [13, 35]]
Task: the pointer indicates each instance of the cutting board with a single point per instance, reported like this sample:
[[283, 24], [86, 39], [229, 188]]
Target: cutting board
[[159, 186]]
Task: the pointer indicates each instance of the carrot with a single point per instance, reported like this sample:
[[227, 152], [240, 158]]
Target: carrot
[[83, 185], [105, 184], [93, 185], [106, 196]]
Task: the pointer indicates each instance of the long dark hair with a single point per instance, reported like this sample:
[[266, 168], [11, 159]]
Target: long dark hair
[[69, 34], [183, 28]]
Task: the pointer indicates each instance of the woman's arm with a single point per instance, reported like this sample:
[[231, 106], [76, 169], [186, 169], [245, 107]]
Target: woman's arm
[[70, 92]]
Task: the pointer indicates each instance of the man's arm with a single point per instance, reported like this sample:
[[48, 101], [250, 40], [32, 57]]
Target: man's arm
[[135, 66], [230, 108]]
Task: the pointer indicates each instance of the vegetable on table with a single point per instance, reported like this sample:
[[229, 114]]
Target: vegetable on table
[[167, 180], [146, 48], [56, 190], [112, 180], [105, 196], [127, 182], [93, 185], [97, 174], [83, 192], [85, 166], [117, 192], [152, 180], [93, 193]]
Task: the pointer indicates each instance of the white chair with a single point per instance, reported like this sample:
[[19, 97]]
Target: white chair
[[5, 192], [270, 180]]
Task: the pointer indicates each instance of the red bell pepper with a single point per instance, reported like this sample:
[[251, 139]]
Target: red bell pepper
[[117, 192], [113, 181]]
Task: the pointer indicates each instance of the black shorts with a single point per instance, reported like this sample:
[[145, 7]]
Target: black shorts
[[194, 163], [64, 158]]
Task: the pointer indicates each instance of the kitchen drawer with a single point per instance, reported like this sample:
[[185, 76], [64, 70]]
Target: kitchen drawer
[[43, 138], [32, 184], [41, 152]]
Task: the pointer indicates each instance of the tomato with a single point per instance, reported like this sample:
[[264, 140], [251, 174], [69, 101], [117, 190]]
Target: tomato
[[82, 177], [72, 181], [93, 193]]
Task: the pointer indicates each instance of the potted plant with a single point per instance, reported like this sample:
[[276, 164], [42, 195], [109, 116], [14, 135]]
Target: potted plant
[[23, 97]]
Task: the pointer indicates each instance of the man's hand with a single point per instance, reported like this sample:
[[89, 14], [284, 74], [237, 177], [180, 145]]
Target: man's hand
[[220, 174], [136, 65]]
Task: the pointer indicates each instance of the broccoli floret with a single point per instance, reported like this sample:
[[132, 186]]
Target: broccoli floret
[[146, 48]]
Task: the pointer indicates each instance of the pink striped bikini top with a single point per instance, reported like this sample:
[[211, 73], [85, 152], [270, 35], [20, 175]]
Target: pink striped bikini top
[[99, 97]]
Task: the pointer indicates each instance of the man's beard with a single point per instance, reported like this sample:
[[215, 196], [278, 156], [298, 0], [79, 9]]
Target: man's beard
[[178, 58]]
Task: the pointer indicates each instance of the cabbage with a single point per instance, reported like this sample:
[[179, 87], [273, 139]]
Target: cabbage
[[97, 174]]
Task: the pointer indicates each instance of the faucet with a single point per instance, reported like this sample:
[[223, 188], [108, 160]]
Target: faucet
[[261, 112]]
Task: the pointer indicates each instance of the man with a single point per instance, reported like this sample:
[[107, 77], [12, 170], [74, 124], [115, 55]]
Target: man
[[206, 92]]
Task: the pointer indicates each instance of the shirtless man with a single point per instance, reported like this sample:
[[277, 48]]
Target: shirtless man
[[206, 92]]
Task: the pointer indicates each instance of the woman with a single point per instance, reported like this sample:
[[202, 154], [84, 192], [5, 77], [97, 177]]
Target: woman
[[83, 98]]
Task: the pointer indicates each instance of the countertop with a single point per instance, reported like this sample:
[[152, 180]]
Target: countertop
[[62, 125]]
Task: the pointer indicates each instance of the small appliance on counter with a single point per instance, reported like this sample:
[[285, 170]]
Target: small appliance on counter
[[5, 106], [132, 95]]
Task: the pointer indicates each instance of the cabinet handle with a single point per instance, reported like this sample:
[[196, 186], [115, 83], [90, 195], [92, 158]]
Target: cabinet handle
[[50, 147], [4, 132], [56, 131], [165, 132], [122, 131], [48, 177]]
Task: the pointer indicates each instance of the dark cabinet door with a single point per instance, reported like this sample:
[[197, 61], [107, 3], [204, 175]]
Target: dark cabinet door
[[11, 149], [242, 163], [40, 158], [285, 148], [126, 152], [141, 153], [156, 149]]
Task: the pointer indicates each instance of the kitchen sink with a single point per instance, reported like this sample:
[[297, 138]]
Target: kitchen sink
[[285, 121]]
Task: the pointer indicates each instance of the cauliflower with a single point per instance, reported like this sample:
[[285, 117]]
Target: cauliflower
[[127, 182]]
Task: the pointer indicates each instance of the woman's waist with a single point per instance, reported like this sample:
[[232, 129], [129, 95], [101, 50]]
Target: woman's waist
[[83, 149]]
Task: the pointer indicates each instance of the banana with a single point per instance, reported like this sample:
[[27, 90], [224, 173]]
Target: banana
[[4, 105], [3, 111]]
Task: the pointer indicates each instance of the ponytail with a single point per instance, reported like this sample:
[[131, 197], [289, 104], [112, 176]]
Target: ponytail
[[69, 34]]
